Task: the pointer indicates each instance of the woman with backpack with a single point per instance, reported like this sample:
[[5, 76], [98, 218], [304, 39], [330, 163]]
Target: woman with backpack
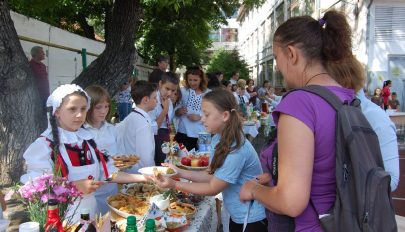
[[305, 49]]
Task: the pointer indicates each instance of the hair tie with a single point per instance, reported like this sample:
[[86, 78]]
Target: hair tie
[[322, 21], [233, 110]]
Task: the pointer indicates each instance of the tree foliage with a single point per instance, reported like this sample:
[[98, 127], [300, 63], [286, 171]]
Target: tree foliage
[[228, 62], [182, 32]]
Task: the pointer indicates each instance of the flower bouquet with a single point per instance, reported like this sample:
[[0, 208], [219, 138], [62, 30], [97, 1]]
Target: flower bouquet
[[36, 193]]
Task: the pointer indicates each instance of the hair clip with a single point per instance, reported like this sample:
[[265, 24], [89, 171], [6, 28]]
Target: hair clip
[[322, 21], [233, 110]]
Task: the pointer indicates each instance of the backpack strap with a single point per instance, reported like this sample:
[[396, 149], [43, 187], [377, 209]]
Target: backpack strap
[[324, 93]]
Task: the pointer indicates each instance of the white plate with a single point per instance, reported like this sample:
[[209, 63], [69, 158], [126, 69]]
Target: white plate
[[148, 171], [193, 168]]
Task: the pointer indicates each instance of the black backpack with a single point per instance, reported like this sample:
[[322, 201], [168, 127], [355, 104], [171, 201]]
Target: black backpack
[[363, 195]]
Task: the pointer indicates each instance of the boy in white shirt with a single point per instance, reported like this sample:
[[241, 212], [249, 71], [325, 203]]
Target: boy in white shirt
[[135, 134]]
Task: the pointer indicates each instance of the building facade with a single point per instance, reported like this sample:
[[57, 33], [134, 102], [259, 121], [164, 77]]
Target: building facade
[[378, 37]]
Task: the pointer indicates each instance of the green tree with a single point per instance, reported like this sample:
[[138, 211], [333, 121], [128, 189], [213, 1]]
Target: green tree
[[227, 62], [183, 33]]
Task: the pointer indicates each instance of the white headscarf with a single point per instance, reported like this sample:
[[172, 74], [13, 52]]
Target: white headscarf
[[56, 98]]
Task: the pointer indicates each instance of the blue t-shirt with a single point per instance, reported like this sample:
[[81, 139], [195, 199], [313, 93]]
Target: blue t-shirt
[[239, 166]]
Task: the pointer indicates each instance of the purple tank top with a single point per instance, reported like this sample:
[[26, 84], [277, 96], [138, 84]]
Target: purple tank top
[[319, 116]]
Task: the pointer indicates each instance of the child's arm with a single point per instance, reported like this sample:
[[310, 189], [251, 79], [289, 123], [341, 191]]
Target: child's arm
[[162, 116], [123, 178], [211, 188]]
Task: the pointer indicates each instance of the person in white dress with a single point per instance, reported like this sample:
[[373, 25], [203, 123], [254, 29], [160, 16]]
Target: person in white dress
[[190, 110], [135, 133], [104, 134], [70, 149]]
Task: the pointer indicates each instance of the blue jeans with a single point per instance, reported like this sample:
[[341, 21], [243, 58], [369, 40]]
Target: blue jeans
[[124, 109]]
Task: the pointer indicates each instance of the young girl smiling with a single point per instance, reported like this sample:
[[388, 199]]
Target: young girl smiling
[[69, 149], [234, 162], [190, 112]]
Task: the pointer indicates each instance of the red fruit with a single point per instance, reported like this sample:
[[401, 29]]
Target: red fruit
[[186, 161], [203, 162], [206, 158]]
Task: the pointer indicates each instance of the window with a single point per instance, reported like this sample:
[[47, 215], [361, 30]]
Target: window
[[280, 14], [389, 23]]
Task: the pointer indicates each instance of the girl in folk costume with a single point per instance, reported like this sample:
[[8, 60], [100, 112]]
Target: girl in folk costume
[[71, 150], [104, 134], [162, 115], [190, 113]]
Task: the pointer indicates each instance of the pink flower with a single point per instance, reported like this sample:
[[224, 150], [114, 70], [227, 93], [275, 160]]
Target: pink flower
[[59, 190]]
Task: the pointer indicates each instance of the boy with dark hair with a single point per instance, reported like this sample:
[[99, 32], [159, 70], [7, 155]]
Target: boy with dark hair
[[135, 134], [393, 103]]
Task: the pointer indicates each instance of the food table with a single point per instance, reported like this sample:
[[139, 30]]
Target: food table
[[205, 219], [397, 117], [251, 128]]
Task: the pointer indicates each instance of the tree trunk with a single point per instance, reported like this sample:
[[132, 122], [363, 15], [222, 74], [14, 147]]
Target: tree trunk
[[116, 62], [20, 106], [172, 63], [87, 29]]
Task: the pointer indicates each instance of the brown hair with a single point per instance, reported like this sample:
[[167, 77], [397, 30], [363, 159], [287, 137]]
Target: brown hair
[[328, 41], [195, 70], [141, 89], [97, 95], [225, 101]]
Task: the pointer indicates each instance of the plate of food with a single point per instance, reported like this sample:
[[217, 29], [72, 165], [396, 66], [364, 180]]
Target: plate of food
[[125, 206], [157, 170], [195, 162], [141, 190], [125, 161], [182, 208]]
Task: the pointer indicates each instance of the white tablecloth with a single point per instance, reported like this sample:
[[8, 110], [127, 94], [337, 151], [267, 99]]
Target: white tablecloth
[[251, 129], [205, 219]]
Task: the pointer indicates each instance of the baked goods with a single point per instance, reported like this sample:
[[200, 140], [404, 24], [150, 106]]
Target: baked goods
[[182, 208], [129, 204], [142, 190], [125, 161]]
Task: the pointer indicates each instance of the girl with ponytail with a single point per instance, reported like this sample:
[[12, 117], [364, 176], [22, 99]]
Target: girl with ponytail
[[233, 163]]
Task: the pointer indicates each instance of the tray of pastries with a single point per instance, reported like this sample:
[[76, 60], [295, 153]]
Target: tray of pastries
[[125, 161], [125, 205]]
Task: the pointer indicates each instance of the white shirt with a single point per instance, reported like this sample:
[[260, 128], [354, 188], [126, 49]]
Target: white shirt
[[154, 114], [105, 137], [193, 103], [38, 154], [237, 97], [135, 136], [387, 137], [233, 82]]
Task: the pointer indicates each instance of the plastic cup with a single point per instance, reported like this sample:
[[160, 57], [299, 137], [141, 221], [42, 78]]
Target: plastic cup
[[29, 227]]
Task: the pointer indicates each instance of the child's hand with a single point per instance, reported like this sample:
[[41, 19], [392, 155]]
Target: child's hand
[[264, 178], [181, 111], [87, 186], [164, 182], [165, 103], [246, 191], [194, 117]]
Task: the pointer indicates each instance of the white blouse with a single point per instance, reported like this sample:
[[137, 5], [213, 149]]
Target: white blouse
[[38, 154]]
